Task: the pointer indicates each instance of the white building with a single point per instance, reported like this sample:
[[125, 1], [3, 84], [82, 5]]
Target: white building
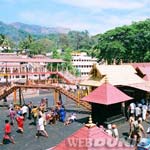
[[83, 63], [14, 68]]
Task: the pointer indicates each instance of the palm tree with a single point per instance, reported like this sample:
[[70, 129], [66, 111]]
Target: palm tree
[[2, 39]]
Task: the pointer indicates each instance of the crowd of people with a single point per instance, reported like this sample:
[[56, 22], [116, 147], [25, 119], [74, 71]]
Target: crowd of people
[[40, 116], [138, 112]]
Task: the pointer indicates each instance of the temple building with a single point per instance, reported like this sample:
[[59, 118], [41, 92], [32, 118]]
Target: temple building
[[105, 82]]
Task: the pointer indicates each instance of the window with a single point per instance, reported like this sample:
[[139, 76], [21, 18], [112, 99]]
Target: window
[[23, 76]]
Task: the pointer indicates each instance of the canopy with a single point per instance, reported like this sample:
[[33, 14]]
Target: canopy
[[106, 94]]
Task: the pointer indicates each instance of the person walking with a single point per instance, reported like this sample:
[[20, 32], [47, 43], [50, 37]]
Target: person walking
[[7, 134], [132, 128], [144, 111], [40, 127], [24, 110], [35, 112], [12, 114], [30, 106], [20, 123], [139, 131]]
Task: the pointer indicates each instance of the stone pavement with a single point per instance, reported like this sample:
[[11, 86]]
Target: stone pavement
[[57, 132]]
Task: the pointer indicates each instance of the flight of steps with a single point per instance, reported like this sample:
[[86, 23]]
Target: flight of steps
[[7, 91], [73, 97], [70, 95]]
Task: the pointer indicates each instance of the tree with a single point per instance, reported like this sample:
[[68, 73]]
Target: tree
[[129, 43], [42, 46], [55, 54], [63, 41], [25, 44], [6, 43], [2, 39], [79, 40], [67, 57]]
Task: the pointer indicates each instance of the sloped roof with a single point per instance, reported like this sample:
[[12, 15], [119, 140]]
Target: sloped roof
[[135, 65], [86, 133], [107, 69], [142, 86], [147, 77], [144, 70], [91, 83], [120, 74], [116, 75], [35, 60], [106, 94]]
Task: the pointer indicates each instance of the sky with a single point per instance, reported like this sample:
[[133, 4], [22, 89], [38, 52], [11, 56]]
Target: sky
[[96, 16]]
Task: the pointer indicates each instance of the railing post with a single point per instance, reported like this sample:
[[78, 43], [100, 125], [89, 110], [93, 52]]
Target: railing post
[[78, 97], [55, 96], [15, 96], [20, 99]]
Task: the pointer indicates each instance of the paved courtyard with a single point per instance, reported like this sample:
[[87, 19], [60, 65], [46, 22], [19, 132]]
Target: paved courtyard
[[57, 132]]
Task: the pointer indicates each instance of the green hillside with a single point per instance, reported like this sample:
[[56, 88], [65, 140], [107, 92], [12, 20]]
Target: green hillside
[[11, 32]]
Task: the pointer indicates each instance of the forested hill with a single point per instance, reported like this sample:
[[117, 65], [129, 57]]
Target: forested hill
[[128, 43], [19, 31], [12, 32], [41, 39], [35, 29]]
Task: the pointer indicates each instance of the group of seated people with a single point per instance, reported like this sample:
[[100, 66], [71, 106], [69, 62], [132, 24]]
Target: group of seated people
[[50, 116], [59, 113]]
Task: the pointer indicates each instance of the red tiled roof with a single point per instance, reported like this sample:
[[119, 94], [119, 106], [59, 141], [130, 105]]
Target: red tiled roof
[[106, 94], [38, 60], [135, 65], [142, 86], [77, 141], [147, 77], [144, 70]]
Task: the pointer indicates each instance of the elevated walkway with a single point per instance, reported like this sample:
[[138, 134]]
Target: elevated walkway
[[66, 76], [70, 95]]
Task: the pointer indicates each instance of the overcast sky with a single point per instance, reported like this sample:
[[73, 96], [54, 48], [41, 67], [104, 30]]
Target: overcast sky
[[96, 16]]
